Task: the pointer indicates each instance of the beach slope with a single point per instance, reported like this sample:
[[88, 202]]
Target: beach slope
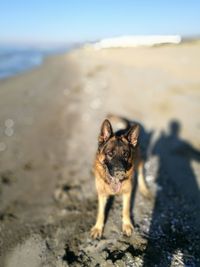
[[49, 122]]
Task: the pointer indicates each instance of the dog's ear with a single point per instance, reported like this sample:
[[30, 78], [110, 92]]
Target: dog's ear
[[106, 132], [133, 134]]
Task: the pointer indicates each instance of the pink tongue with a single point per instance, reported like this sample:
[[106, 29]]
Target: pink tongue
[[116, 187]]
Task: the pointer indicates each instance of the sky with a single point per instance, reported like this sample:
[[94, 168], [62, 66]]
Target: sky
[[64, 21]]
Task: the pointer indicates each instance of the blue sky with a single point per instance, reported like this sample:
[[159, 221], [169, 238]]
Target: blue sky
[[63, 21]]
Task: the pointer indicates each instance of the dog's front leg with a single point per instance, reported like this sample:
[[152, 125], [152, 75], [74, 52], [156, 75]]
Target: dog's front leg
[[127, 226], [97, 230]]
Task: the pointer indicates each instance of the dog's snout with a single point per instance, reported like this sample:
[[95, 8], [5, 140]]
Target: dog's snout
[[117, 169]]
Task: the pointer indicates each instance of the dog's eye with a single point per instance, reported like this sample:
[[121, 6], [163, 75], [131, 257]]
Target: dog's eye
[[109, 154], [126, 154]]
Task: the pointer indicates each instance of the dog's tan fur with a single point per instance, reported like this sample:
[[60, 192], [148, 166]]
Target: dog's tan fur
[[104, 190]]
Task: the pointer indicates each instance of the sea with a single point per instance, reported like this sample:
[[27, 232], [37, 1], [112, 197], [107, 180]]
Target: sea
[[15, 60]]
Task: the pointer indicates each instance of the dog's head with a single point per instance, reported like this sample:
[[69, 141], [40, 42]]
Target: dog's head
[[116, 154]]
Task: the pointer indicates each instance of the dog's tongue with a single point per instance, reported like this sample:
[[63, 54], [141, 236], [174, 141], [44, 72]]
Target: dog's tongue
[[116, 186]]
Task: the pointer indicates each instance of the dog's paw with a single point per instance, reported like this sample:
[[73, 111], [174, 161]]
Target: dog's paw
[[96, 232], [127, 229]]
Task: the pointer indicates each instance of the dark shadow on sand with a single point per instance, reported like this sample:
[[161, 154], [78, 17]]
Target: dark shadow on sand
[[175, 223], [108, 207]]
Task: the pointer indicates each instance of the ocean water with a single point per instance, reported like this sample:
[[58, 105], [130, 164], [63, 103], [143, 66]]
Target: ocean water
[[14, 60]]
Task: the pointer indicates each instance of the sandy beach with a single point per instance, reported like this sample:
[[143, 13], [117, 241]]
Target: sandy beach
[[49, 122]]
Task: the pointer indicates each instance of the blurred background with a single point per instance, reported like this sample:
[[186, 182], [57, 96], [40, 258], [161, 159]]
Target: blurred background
[[66, 65], [31, 30]]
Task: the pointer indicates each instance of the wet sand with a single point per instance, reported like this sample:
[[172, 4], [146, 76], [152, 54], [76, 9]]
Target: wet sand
[[49, 122]]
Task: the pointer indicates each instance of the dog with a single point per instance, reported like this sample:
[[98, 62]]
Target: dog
[[117, 158]]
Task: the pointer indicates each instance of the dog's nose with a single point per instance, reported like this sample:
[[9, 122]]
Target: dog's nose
[[119, 174]]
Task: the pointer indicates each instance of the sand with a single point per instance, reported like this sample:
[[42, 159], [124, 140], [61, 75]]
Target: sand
[[49, 122]]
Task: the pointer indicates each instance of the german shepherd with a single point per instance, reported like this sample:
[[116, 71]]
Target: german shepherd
[[117, 158]]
